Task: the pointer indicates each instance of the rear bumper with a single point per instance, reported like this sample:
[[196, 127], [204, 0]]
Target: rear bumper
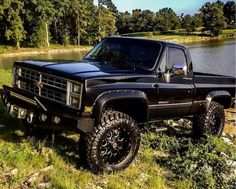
[[43, 113]]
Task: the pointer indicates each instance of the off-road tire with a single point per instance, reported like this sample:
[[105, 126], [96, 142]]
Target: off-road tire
[[202, 122], [112, 121]]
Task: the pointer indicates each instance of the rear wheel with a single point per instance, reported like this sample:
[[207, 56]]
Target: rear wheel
[[210, 123], [114, 143]]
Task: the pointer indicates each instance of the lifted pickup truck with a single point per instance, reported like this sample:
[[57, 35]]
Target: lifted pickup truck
[[120, 84]]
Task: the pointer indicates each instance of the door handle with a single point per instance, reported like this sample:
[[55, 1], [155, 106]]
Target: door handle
[[188, 78]]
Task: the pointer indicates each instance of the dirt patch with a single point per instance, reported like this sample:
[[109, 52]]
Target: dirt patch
[[230, 126]]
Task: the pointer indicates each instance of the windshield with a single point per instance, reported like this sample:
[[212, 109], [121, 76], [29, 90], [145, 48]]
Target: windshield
[[126, 53]]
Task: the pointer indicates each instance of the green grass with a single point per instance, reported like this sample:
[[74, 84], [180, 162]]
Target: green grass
[[5, 77], [171, 160], [181, 36], [228, 31]]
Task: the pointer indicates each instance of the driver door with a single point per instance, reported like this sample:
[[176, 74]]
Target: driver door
[[174, 96]]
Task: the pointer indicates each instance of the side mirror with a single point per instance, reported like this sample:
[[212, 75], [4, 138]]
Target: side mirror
[[179, 69]]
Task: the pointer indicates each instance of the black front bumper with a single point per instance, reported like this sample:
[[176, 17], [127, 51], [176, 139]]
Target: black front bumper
[[22, 105]]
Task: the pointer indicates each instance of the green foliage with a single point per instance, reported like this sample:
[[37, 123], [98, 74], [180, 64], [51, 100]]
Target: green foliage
[[213, 17], [167, 19], [41, 22], [107, 23], [5, 77], [200, 162], [188, 23], [39, 34], [229, 12], [164, 161], [12, 12], [140, 21]]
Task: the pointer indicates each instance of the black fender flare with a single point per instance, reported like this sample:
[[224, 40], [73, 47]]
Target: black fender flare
[[118, 95], [222, 97]]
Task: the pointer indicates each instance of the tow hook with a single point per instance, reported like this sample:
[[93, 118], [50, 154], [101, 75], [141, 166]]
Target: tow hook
[[30, 118]]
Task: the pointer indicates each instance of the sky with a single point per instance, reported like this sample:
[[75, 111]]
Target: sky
[[179, 6]]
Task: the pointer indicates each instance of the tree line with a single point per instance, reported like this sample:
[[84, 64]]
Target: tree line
[[38, 23], [211, 17]]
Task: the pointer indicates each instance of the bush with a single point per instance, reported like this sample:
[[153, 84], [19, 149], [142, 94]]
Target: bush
[[156, 33]]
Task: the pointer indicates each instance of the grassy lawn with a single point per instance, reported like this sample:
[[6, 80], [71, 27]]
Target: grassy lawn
[[180, 36], [228, 31], [171, 160], [5, 77], [4, 49]]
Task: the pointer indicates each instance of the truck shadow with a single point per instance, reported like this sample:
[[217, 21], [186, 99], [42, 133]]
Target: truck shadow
[[64, 145]]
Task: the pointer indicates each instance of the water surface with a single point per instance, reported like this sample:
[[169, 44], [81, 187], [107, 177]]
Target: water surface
[[217, 57]]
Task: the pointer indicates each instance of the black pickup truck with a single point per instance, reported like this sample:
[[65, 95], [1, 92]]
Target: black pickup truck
[[120, 84]]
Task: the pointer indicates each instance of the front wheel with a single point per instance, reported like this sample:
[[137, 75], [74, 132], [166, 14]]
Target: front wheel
[[114, 143], [210, 123]]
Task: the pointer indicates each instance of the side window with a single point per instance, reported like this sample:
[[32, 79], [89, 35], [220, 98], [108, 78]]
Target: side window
[[175, 56], [162, 66]]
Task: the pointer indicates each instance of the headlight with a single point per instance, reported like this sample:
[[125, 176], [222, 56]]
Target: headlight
[[75, 102], [74, 94], [76, 88]]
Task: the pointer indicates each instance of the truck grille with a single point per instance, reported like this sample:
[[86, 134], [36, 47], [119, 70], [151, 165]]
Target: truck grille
[[44, 85]]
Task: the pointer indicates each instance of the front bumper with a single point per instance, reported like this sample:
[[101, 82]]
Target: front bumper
[[43, 113]]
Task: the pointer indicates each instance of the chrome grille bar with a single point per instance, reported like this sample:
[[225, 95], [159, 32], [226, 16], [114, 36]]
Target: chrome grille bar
[[44, 85]]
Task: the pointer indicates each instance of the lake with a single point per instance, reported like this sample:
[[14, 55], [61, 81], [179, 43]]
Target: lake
[[217, 57]]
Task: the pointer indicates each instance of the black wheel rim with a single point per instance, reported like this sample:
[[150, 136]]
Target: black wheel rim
[[215, 123], [115, 146]]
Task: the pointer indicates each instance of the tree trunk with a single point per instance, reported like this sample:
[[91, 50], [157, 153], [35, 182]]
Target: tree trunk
[[99, 23], [18, 44], [78, 30], [47, 35], [56, 32]]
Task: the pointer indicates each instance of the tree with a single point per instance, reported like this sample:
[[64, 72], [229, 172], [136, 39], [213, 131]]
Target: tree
[[167, 19], [60, 26], [81, 11], [11, 12], [197, 20], [188, 23], [213, 17], [123, 23], [148, 20], [230, 11], [44, 11], [107, 22]]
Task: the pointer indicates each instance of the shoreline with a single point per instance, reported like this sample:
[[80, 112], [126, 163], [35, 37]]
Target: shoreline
[[64, 49], [38, 51], [189, 39]]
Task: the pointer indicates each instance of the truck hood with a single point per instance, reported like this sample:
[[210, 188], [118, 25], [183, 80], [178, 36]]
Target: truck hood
[[72, 69]]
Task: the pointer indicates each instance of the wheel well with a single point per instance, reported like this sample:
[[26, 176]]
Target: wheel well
[[137, 109], [225, 101]]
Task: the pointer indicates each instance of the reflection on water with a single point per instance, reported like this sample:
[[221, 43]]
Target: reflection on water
[[6, 62], [217, 57]]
